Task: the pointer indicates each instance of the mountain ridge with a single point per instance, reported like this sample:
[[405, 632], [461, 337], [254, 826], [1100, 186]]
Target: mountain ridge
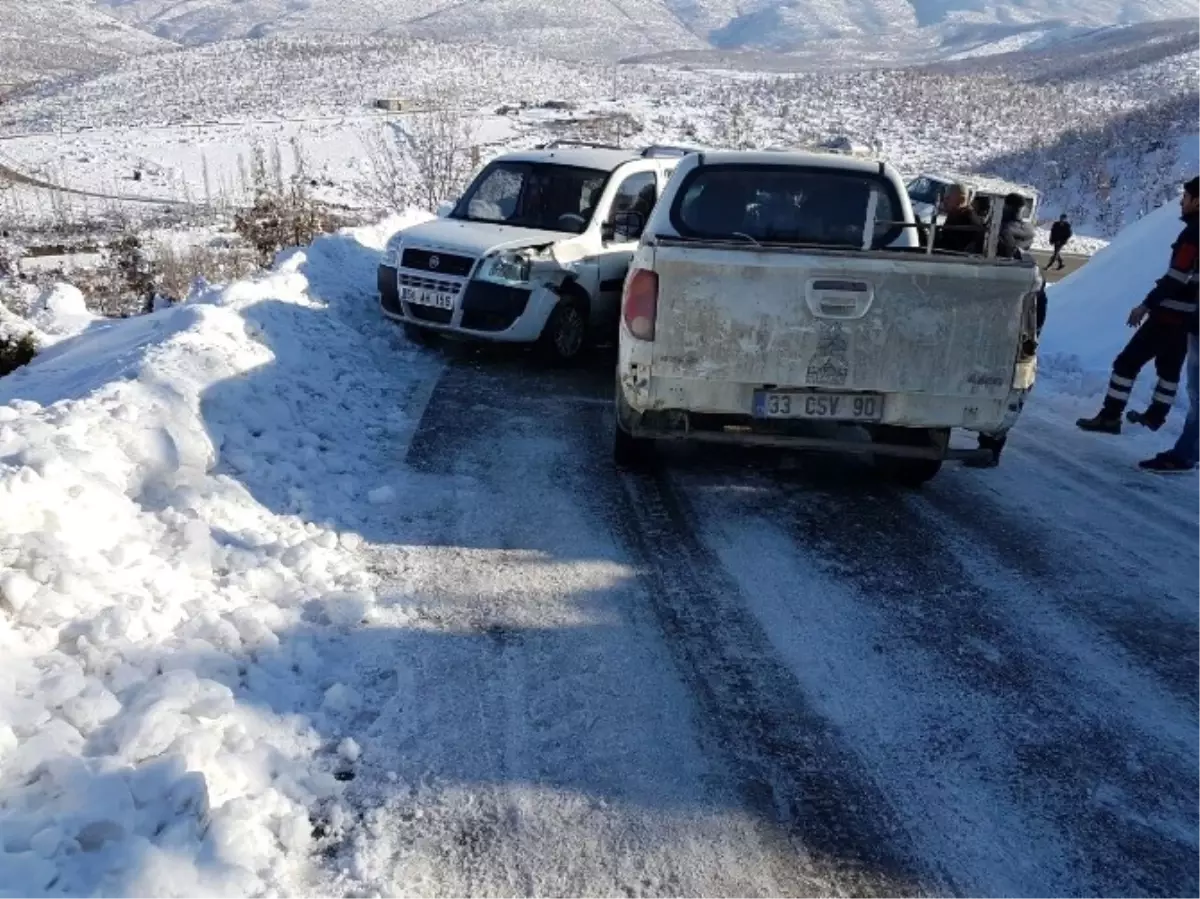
[[615, 29]]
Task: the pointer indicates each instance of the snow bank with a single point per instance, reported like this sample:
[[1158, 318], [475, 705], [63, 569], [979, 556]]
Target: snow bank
[[61, 311], [169, 712], [1085, 323]]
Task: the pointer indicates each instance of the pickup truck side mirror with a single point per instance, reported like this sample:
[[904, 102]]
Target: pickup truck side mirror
[[627, 225]]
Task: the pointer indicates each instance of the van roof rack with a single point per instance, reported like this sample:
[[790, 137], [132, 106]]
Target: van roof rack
[[564, 142], [656, 150]]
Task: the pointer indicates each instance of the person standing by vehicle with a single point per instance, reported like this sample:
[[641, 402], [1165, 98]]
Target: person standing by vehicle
[[1163, 321], [1185, 455], [1060, 234]]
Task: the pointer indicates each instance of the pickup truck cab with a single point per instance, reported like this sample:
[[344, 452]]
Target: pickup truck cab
[[784, 299], [535, 250]]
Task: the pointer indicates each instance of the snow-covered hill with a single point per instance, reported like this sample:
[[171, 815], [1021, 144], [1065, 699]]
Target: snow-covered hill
[[48, 38], [1086, 326], [623, 28]]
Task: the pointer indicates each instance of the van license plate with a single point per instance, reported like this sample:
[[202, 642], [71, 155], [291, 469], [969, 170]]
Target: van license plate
[[420, 297], [820, 406]]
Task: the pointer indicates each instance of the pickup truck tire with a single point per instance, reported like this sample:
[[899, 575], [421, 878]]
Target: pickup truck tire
[[631, 453], [905, 471], [908, 472], [565, 335]]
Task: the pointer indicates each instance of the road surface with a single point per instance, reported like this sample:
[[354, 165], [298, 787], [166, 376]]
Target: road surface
[[1071, 263], [766, 676], [15, 177]]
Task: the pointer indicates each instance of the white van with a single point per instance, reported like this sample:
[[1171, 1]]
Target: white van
[[535, 251]]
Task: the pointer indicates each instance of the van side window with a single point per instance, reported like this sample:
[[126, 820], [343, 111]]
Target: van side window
[[637, 193]]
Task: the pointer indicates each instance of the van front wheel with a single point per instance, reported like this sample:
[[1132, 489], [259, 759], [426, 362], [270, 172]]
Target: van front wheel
[[566, 333]]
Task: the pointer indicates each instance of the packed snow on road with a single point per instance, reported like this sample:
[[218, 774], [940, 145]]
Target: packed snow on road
[[289, 605]]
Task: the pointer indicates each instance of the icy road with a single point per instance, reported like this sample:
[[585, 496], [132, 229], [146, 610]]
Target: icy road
[[755, 679], [295, 607]]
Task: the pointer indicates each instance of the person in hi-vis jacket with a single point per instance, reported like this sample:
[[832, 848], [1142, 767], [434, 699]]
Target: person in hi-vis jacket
[[1163, 320]]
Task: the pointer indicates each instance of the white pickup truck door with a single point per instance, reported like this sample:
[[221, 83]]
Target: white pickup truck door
[[853, 320]]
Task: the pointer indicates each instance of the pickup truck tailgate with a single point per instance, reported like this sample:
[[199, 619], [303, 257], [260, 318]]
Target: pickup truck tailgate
[[854, 320]]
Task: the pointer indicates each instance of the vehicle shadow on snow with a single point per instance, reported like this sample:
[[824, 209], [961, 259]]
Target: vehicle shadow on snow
[[336, 429]]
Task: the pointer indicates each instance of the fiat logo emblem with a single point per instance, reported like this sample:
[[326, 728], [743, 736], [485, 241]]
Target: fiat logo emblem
[[434, 261]]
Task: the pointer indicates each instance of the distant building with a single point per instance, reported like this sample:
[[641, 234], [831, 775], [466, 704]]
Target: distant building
[[390, 104]]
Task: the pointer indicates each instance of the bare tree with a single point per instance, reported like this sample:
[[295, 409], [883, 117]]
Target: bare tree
[[425, 157]]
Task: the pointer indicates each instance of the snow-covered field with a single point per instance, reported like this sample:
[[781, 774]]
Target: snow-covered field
[[185, 118]]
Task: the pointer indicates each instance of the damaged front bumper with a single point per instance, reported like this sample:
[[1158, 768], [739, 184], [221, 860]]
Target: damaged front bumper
[[492, 309]]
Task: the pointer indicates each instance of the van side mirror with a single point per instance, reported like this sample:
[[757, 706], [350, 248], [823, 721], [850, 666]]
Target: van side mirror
[[626, 225]]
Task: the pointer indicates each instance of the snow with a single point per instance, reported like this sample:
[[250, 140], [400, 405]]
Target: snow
[[61, 311], [1086, 318], [164, 689], [632, 26]]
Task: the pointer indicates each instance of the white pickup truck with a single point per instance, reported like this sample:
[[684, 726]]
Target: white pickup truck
[[783, 299]]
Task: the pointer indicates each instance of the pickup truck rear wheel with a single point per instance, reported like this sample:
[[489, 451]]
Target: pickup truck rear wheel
[[908, 472], [631, 453], [565, 335], [905, 471]]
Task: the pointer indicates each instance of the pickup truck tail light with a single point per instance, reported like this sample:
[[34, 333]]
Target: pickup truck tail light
[[639, 306]]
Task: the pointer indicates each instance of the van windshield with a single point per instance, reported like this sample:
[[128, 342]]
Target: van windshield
[[533, 195], [924, 190], [786, 205]]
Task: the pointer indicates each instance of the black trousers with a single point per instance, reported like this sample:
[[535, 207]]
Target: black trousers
[[1056, 256], [1164, 342]]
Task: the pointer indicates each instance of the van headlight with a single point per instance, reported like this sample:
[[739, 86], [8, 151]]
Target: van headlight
[[507, 268], [391, 251]]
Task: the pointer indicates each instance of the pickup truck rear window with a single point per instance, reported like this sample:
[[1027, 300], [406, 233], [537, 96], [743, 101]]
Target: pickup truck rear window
[[785, 205]]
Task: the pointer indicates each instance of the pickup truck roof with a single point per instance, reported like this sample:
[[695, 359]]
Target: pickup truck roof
[[839, 161], [585, 157]]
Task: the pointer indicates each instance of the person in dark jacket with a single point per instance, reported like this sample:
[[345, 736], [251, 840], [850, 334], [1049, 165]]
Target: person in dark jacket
[[1185, 455], [1015, 242], [1060, 234], [1163, 321], [963, 230]]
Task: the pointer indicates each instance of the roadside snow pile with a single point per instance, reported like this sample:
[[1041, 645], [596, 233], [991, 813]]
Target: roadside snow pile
[[170, 602], [1085, 322], [61, 311]]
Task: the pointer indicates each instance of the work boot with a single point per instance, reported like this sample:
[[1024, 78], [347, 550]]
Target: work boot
[[1102, 423], [1166, 463], [1153, 418]]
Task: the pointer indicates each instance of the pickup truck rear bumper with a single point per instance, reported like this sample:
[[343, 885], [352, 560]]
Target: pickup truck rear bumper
[[908, 443], [712, 399]]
